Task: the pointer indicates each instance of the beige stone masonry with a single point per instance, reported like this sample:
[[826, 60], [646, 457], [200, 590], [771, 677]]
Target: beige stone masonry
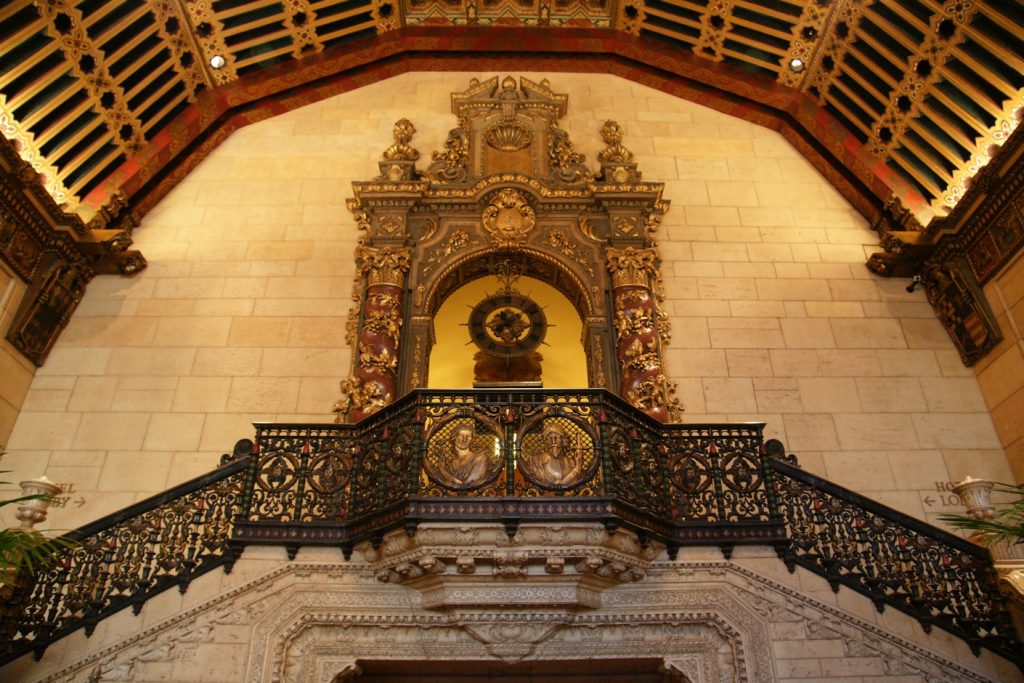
[[240, 314]]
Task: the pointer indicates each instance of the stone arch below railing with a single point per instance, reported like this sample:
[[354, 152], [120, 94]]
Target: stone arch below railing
[[316, 618]]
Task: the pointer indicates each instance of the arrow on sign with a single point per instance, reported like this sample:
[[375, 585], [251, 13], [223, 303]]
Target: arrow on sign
[[928, 501], [80, 502]]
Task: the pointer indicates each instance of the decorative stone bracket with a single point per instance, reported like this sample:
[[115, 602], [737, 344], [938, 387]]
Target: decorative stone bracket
[[55, 253], [956, 255], [568, 566]]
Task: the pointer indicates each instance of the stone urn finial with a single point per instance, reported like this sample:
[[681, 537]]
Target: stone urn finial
[[975, 495], [32, 512]]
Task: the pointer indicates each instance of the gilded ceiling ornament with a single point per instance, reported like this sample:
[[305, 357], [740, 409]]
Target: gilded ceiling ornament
[[631, 266], [401, 151], [509, 218]]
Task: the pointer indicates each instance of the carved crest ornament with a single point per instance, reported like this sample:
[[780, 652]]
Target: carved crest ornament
[[508, 188]]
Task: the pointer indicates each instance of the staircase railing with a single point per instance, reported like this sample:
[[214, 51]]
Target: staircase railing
[[510, 457], [893, 559], [126, 558]]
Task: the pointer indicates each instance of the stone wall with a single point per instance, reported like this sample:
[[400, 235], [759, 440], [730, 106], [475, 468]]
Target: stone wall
[[240, 315], [1001, 372], [310, 619], [15, 370]]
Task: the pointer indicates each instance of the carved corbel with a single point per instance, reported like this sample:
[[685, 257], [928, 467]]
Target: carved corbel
[[962, 309], [349, 672], [46, 308], [399, 162], [905, 246], [511, 564]]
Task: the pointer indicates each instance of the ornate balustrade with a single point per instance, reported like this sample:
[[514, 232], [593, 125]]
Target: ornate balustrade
[[936, 577], [126, 558], [508, 456]]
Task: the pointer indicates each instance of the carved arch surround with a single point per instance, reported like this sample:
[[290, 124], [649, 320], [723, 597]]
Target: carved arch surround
[[307, 621], [577, 224]]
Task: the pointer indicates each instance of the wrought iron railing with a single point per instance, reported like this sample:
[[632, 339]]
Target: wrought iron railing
[[126, 558], [508, 456], [896, 560]]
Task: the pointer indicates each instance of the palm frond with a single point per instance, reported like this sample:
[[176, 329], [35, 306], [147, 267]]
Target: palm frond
[[1006, 526]]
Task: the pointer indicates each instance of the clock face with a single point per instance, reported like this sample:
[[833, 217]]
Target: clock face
[[507, 325]]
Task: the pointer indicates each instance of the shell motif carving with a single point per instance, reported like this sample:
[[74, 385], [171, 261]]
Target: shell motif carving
[[508, 136]]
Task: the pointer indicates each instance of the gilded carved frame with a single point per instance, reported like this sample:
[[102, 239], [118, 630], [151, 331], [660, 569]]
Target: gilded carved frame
[[508, 186]]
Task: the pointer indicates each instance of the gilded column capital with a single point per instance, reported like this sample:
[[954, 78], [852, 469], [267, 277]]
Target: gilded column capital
[[384, 265], [631, 266]]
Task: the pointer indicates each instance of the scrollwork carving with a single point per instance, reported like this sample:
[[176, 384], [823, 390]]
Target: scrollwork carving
[[508, 219], [566, 164], [452, 164]]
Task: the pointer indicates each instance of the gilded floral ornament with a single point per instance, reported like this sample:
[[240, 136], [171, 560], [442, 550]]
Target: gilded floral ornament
[[566, 164], [357, 396], [401, 151], [611, 133], [451, 165], [654, 393], [509, 218], [641, 356]]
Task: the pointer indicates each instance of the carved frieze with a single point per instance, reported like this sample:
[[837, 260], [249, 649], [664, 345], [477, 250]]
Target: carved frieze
[[706, 620]]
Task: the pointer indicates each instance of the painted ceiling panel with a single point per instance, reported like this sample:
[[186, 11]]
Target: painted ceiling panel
[[927, 86]]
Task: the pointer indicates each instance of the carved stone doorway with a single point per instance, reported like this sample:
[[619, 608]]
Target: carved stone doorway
[[565, 671]]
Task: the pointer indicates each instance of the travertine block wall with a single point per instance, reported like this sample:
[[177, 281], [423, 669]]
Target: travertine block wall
[[240, 316], [1001, 373], [15, 370]]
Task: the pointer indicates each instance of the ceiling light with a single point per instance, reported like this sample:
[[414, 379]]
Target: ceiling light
[[217, 61], [796, 64]]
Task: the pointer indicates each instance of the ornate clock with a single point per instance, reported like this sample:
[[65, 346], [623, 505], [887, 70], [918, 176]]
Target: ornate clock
[[507, 325]]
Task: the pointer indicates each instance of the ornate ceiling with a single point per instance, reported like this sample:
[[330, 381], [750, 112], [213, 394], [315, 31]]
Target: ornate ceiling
[[113, 98]]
